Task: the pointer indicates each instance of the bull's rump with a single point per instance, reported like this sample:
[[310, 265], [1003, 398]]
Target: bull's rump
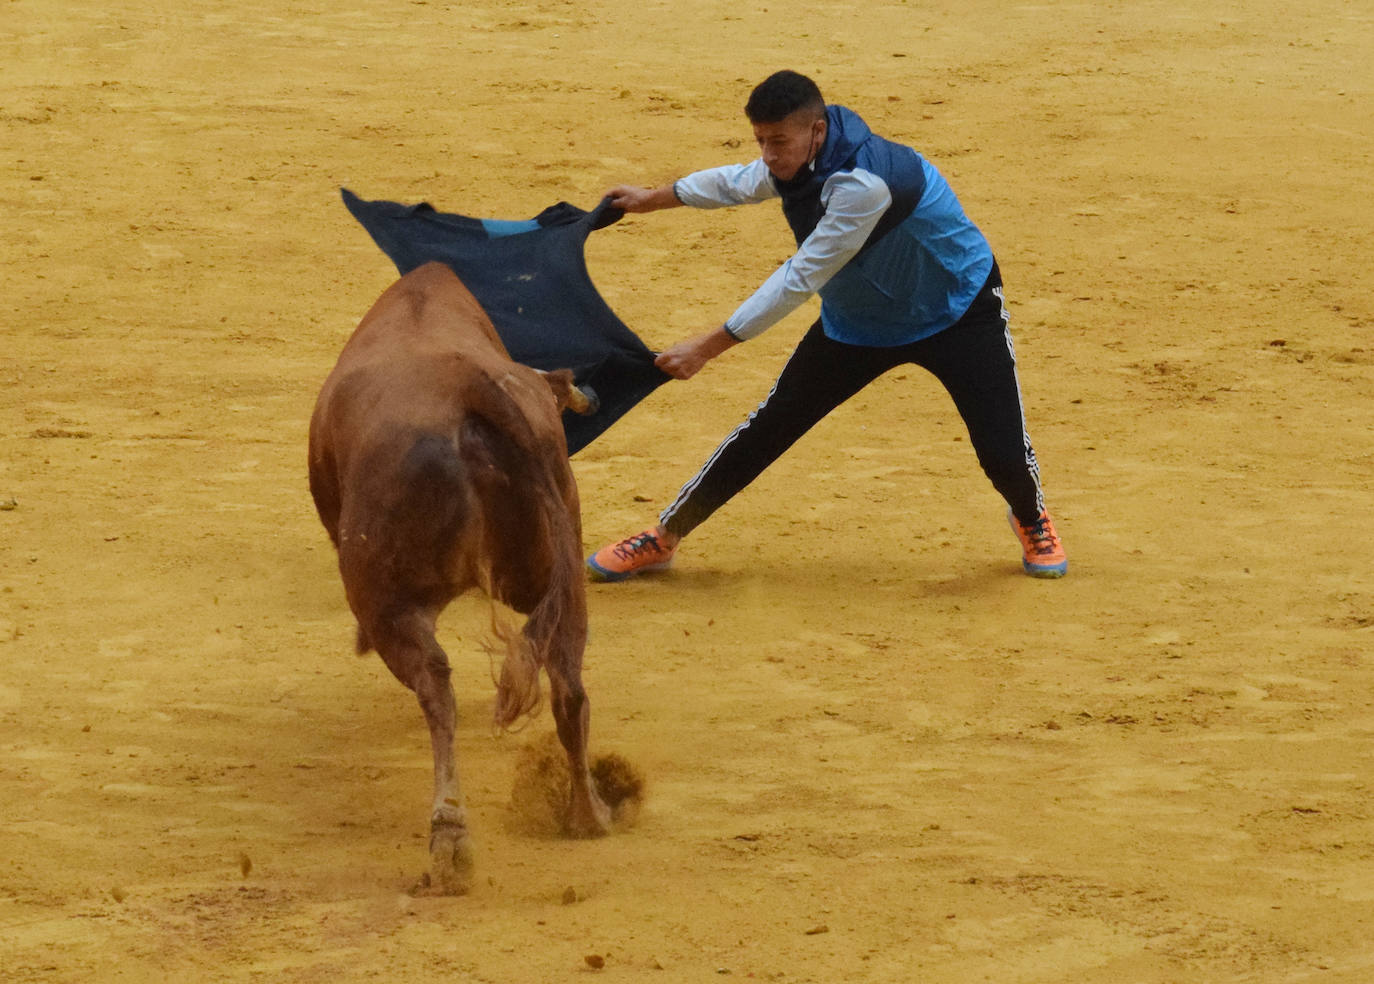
[[425, 516], [408, 525], [435, 462]]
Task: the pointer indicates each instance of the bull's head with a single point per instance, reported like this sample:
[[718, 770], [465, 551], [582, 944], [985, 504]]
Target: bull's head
[[579, 399]]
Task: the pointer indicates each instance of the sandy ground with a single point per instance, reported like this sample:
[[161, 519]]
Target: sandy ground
[[875, 750]]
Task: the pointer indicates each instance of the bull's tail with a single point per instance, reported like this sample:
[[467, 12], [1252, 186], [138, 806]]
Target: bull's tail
[[534, 498], [555, 628], [555, 631]]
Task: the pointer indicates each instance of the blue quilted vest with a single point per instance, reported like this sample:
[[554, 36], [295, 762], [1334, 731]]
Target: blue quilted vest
[[922, 266]]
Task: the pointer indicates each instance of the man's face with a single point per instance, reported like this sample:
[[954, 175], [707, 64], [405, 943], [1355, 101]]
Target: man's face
[[789, 145]]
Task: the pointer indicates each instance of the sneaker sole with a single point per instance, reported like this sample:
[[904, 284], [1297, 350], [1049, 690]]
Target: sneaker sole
[[1058, 570], [601, 575]]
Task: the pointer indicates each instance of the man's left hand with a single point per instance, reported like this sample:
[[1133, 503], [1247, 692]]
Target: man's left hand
[[685, 359]]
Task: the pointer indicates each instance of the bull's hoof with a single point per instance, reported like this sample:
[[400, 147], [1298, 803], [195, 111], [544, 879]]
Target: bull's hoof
[[620, 786], [546, 802], [595, 822], [451, 864]]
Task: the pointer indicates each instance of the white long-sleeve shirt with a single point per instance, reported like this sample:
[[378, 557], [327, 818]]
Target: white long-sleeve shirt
[[854, 201]]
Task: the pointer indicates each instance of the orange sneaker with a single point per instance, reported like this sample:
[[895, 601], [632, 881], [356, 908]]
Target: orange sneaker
[[632, 555], [1043, 554]]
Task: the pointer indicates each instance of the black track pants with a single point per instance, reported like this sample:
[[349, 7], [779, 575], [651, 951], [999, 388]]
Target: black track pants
[[973, 359]]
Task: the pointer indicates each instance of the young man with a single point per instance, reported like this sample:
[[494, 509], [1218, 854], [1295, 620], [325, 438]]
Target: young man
[[904, 277]]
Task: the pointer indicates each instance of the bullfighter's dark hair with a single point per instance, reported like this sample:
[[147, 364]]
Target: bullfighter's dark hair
[[782, 94]]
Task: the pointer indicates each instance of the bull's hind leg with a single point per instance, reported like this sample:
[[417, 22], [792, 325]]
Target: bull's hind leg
[[588, 816], [411, 652]]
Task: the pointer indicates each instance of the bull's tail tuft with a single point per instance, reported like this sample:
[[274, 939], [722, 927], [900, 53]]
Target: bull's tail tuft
[[517, 681], [551, 632]]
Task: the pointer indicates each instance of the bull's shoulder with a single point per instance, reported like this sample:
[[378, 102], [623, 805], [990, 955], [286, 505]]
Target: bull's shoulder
[[428, 308], [435, 281]]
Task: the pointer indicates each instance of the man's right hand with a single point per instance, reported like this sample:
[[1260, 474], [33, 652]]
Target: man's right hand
[[629, 198]]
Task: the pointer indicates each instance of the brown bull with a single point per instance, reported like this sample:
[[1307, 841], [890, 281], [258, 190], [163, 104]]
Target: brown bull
[[438, 465]]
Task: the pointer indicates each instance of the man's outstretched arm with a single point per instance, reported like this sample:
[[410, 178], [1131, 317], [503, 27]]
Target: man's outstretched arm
[[629, 198]]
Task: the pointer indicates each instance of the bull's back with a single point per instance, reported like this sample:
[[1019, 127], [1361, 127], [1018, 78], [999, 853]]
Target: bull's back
[[425, 352]]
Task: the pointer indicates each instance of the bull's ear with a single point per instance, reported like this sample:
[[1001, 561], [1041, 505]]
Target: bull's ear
[[559, 379], [565, 394], [560, 384]]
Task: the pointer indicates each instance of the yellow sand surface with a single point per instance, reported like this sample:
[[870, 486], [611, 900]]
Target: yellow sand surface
[[875, 751]]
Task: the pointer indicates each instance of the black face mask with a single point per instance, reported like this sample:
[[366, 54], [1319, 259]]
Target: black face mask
[[804, 173]]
